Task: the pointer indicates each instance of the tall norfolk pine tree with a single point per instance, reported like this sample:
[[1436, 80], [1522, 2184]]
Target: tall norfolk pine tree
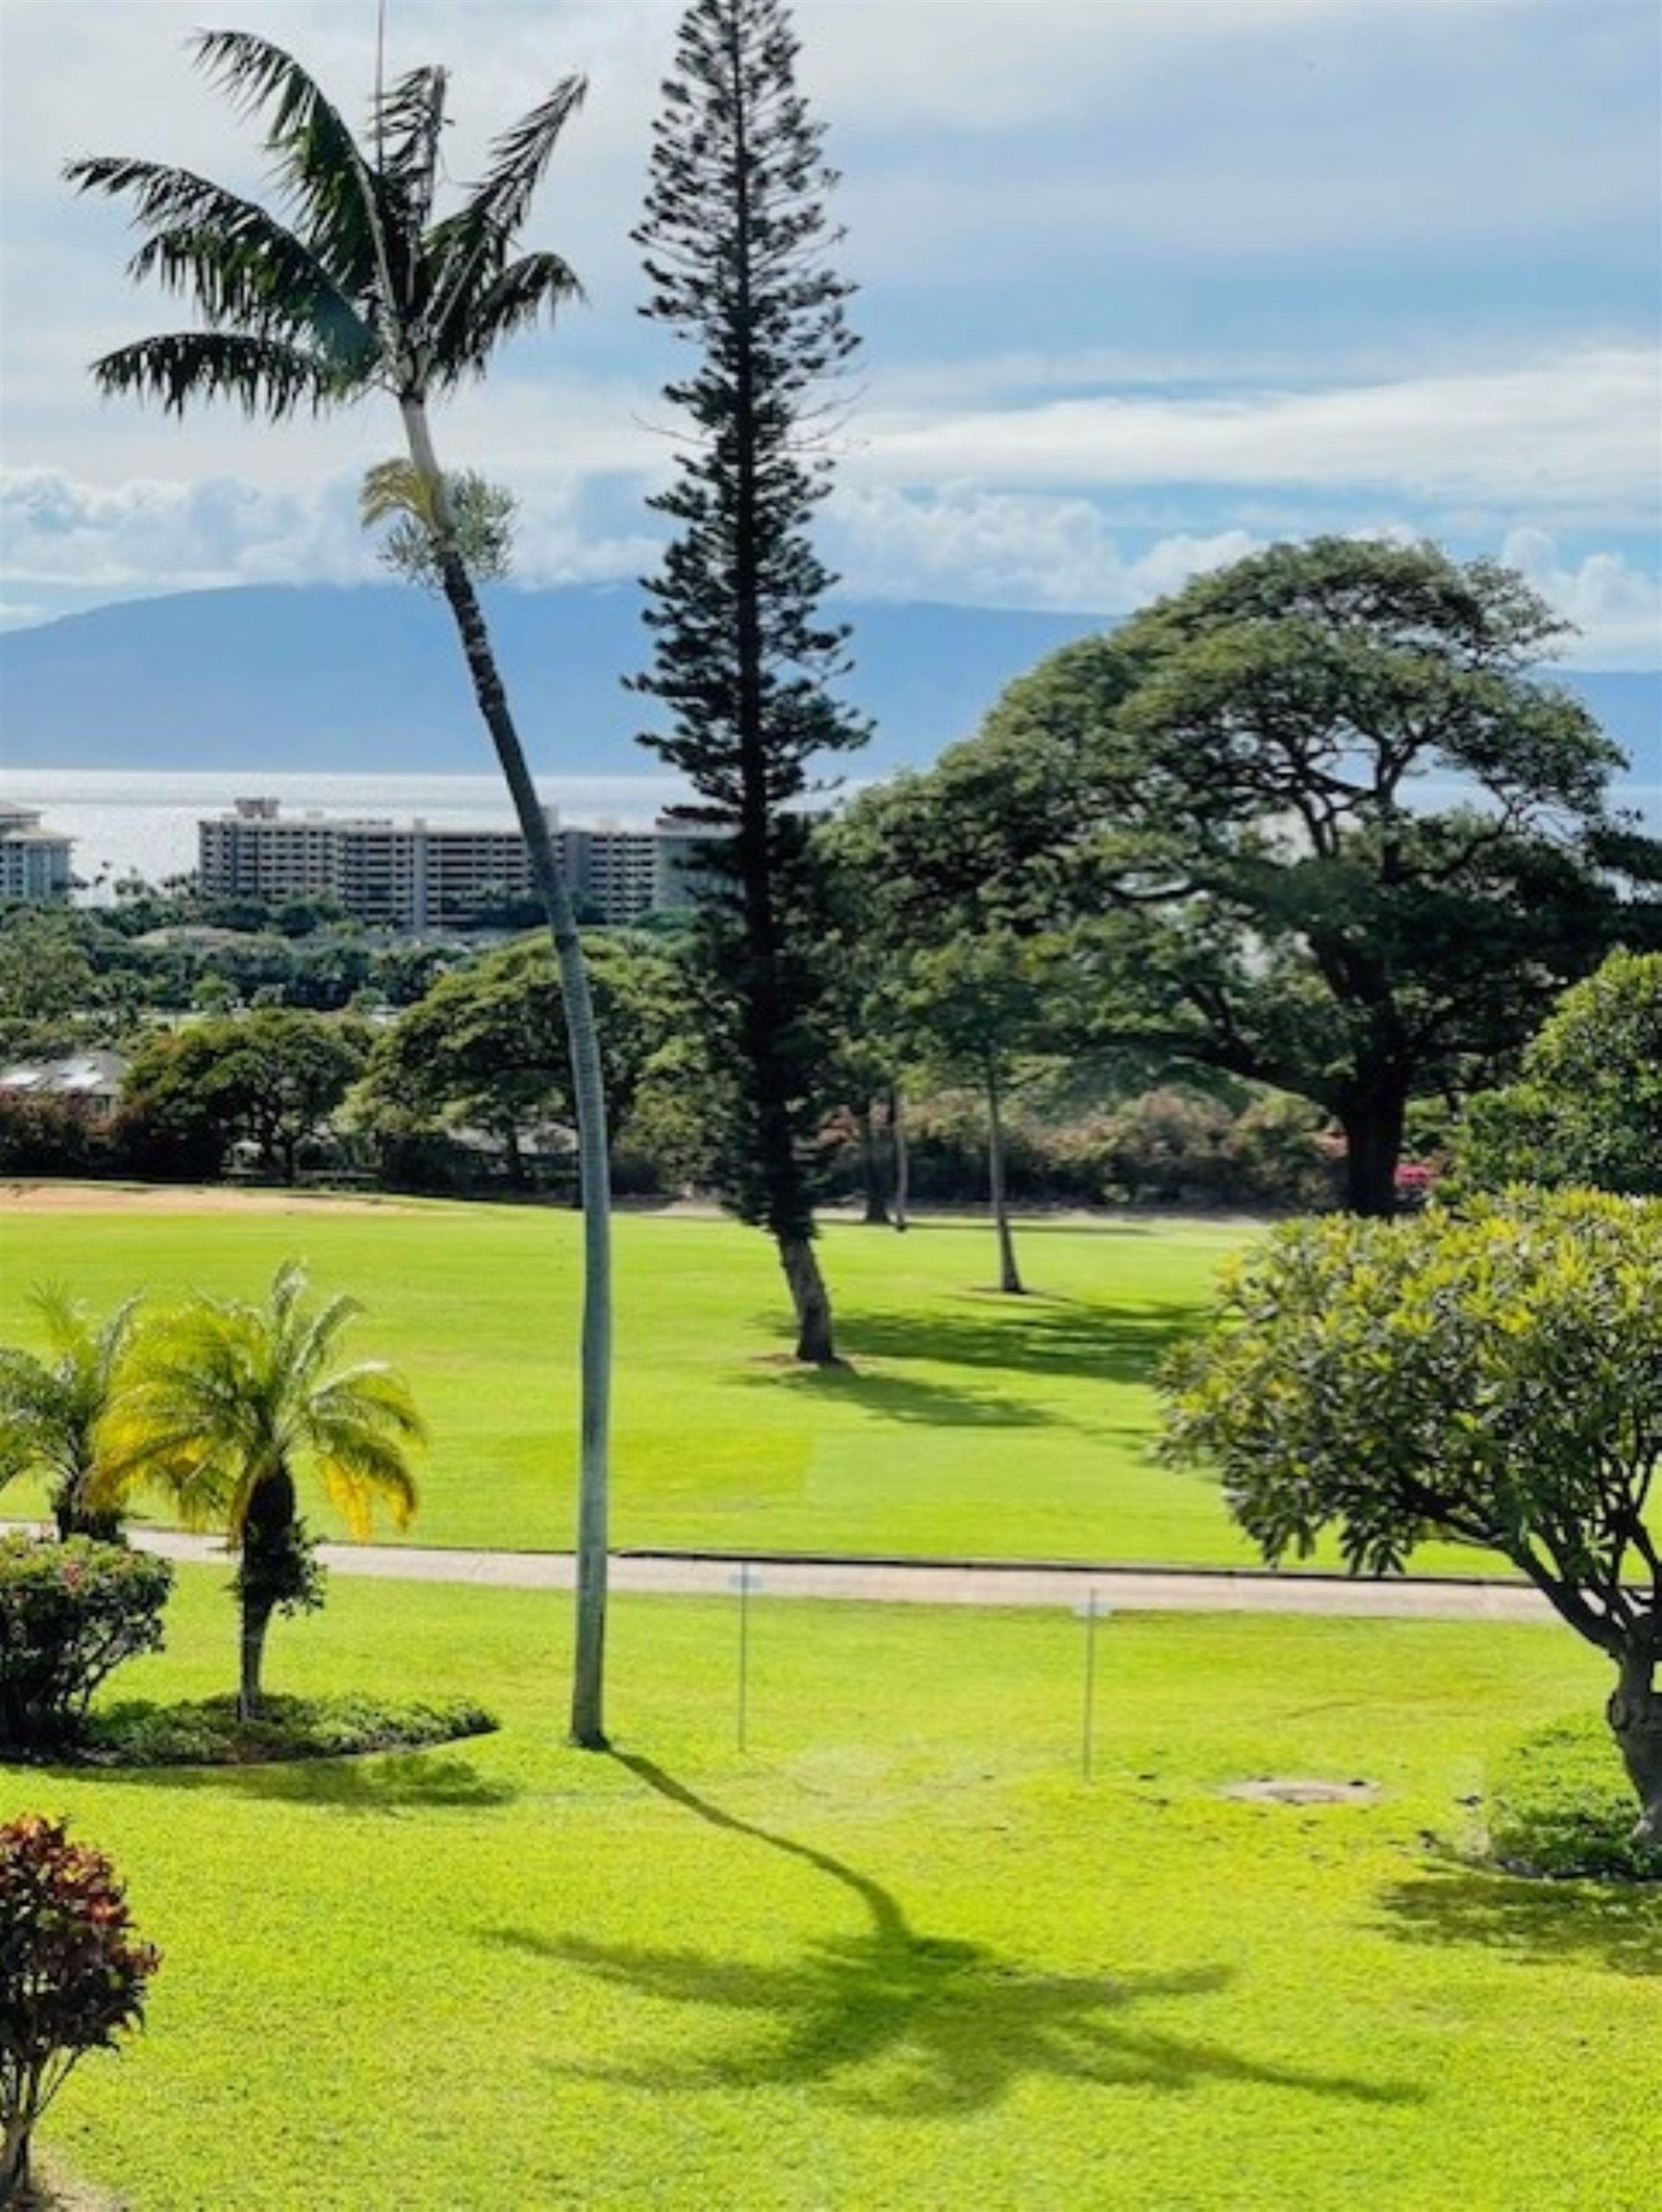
[[736, 236]]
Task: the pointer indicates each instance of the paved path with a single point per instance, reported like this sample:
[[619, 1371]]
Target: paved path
[[1132, 1588]]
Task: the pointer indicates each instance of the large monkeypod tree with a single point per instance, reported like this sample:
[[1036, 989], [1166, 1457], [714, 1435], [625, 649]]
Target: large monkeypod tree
[[1319, 820]]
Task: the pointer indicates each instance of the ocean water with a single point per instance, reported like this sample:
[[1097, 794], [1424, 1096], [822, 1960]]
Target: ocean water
[[129, 822]]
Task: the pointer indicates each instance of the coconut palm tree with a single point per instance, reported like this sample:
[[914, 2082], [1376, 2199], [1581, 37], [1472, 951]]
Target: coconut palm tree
[[51, 1408], [228, 1401], [362, 287]]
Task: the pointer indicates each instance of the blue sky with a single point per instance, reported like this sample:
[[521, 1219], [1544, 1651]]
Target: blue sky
[[1142, 286]]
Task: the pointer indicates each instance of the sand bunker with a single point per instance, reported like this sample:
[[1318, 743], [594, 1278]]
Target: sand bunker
[[178, 1198]]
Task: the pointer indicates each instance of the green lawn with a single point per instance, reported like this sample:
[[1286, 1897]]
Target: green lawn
[[969, 1424], [899, 1955]]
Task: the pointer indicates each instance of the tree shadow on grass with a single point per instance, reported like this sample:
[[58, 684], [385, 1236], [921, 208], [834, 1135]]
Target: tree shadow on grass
[[960, 2024], [990, 1334], [387, 1782], [1614, 1924], [901, 1397], [1029, 1336]]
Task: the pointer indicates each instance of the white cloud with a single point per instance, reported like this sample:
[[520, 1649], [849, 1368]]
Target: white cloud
[[74, 544], [1006, 549], [1617, 610], [147, 536], [1581, 435]]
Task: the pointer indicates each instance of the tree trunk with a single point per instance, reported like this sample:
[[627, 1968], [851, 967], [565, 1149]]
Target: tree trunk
[[1009, 1275], [74, 1517], [588, 1666], [14, 2161], [514, 1157], [1373, 1137], [876, 1214], [1634, 1713], [256, 1613], [810, 1297], [266, 1575], [903, 1153]]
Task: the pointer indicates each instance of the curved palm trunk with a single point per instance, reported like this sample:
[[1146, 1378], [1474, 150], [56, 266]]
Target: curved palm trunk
[[587, 1688]]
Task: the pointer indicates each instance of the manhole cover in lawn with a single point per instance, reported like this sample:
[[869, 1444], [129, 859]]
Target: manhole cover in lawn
[[1301, 1789]]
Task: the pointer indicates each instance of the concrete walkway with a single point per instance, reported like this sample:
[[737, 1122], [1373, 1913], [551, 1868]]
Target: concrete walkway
[[933, 1582]]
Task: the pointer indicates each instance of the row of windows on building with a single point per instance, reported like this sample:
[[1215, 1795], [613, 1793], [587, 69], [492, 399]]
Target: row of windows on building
[[410, 876], [421, 875], [33, 862]]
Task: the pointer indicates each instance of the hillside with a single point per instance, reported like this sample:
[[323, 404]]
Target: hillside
[[367, 678]]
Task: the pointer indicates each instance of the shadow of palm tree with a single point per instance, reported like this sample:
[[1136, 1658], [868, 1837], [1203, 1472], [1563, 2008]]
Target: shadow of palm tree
[[1617, 1925], [961, 2024]]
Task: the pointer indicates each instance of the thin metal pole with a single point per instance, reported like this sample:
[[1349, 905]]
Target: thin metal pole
[[1089, 1729], [743, 1648]]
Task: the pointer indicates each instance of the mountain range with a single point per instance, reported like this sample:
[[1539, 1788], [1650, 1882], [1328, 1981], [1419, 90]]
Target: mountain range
[[367, 678]]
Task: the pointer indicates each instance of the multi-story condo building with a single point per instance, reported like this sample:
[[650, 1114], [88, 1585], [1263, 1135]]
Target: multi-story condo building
[[420, 874], [33, 862]]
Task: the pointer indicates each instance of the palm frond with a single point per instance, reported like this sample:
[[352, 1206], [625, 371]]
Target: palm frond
[[467, 330], [465, 253], [396, 487], [408, 123], [370, 1396], [320, 165], [245, 269], [360, 1472], [262, 375]]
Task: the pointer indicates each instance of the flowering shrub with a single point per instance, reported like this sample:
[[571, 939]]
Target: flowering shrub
[[73, 1975], [69, 1613]]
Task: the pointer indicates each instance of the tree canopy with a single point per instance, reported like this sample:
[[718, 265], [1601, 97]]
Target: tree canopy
[[1587, 1107], [1316, 820], [1494, 1379]]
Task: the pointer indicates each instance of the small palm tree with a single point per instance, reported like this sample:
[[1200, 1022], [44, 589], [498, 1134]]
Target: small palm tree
[[51, 1408], [364, 289], [227, 1402]]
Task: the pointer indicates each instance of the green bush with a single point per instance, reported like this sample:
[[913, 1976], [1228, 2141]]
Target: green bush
[[208, 1733], [71, 1613], [1561, 1808]]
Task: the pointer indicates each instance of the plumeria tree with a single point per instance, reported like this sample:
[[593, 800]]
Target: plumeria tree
[[1492, 1380]]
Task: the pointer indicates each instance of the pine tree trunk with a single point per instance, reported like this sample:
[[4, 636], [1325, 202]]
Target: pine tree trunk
[[903, 1153], [1634, 1713], [812, 1302], [1009, 1276], [589, 1668]]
